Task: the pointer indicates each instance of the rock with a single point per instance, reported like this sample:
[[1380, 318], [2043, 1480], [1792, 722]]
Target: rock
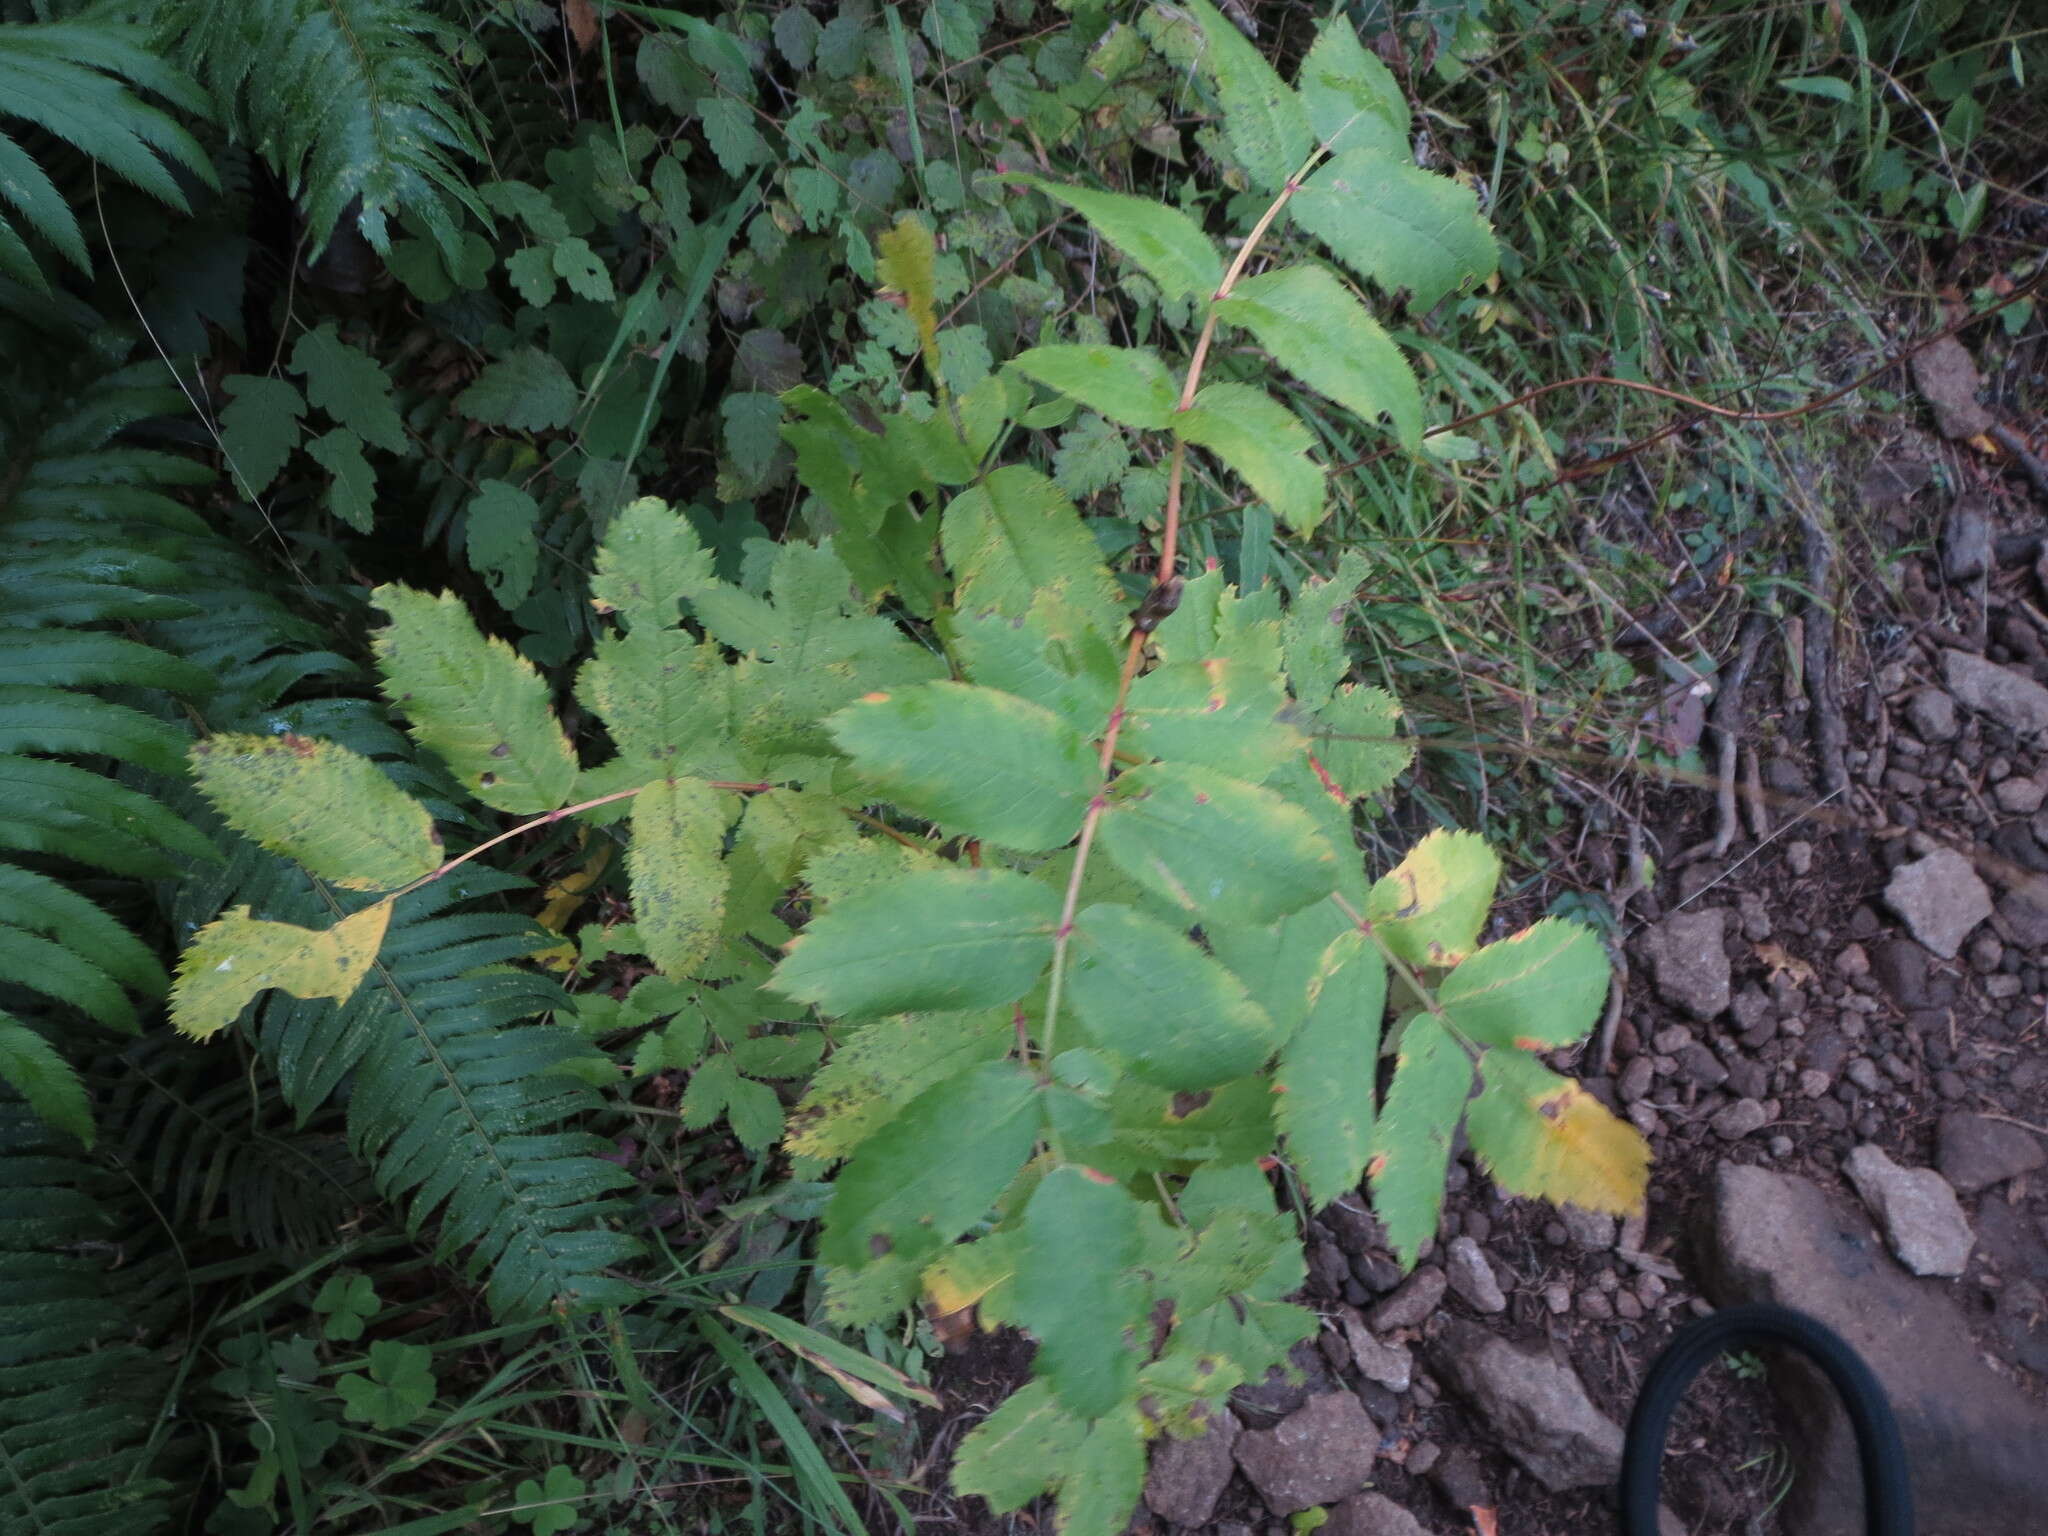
[[1799, 857], [1900, 967], [2025, 917], [1557, 1296], [1863, 1073], [1975, 1153], [1688, 962], [1965, 540], [1390, 1365], [1922, 1222], [1932, 714], [1947, 378], [1737, 1120], [1262, 1404], [1972, 1440], [1701, 1067], [1458, 1479], [1188, 1476], [1412, 1301], [2019, 797], [1318, 1454], [2010, 697], [1634, 1082], [1468, 1273], [1939, 898], [1537, 1408], [1371, 1514], [1421, 1457], [1593, 1230], [1597, 1305]]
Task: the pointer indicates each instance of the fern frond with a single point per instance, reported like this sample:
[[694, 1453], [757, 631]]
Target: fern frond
[[351, 100], [77, 81], [79, 1396]]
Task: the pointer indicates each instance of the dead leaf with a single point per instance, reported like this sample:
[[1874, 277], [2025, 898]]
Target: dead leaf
[[1946, 376], [582, 19], [1782, 962], [1483, 1520]]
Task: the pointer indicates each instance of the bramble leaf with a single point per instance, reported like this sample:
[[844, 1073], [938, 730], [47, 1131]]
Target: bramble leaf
[[937, 939], [473, 701], [502, 543], [1149, 994], [934, 1170], [1539, 988], [1072, 1291], [1216, 847], [1265, 443], [1430, 907], [236, 956], [1542, 1135], [529, 391], [1126, 384], [1317, 331], [1168, 244], [351, 495], [1411, 1144], [678, 877], [321, 805], [1407, 229], [349, 385], [259, 428], [977, 761]]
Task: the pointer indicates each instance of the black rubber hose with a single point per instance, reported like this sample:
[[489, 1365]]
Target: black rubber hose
[[1887, 1492]]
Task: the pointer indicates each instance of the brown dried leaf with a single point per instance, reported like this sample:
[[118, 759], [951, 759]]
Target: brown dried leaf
[[1946, 377]]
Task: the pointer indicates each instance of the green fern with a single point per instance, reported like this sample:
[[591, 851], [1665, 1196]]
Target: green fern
[[77, 81], [352, 100]]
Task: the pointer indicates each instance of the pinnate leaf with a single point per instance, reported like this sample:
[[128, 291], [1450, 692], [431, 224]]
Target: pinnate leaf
[[973, 760], [1168, 244], [1317, 331], [936, 939], [349, 385], [1126, 384], [236, 956], [1407, 229], [352, 494], [1542, 1135], [1430, 907], [1353, 100], [678, 877], [1313, 633], [1326, 1074], [650, 559], [1411, 1144], [32, 1067], [1056, 653], [1263, 441], [473, 701], [259, 428], [1215, 846], [1149, 994], [1220, 713], [1072, 1291], [1542, 987], [1265, 122], [321, 805], [933, 1171], [1014, 537], [882, 1065]]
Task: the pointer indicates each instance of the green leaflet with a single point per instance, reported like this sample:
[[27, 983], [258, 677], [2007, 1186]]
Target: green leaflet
[[334, 813], [1355, 738], [650, 559], [351, 495], [1126, 384], [667, 700], [937, 939], [1263, 441], [1325, 1079], [1265, 122], [1072, 1291], [1219, 713], [503, 544], [58, 971], [1279, 962], [1317, 331], [1353, 100], [1052, 655], [473, 701], [1014, 538], [30, 1065], [678, 876], [1429, 908], [1149, 994], [1411, 1145], [1541, 987], [933, 1172], [528, 391], [237, 956], [973, 760], [1018, 1451], [1542, 1135], [1313, 632], [1168, 244], [881, 1066], [904, 257], [350, 386], [1214, 846], [259, 428], [1101, 1482], [1407, 229]]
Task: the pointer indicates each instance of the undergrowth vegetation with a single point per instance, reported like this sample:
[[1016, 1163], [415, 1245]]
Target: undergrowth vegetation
[[688, 702]]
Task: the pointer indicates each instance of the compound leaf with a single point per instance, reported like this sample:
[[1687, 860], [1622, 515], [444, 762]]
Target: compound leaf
[[1265, 122], [236, 956], [903, 261], [1430, 907], [1355, 738], [349, 385], [1019, 1451], [1015, 537], [529, 391], [1324, 1081], [678, 877], [1543, 1135], [1265, 443], [1407, 229], [259, 428], [1072, 1291], [1319, 332], [1125, 384], [650, 559], [1168, 244], [1411, 1144], [1539, 988], [1353, 100]]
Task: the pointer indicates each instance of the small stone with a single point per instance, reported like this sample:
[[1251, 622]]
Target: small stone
[[1799, 855], [1974, 1152], [1671, 1039], [1187, 1477], [1781, 1146], [2019, 797], [1318, 1454], [1627, 1307], [1701, 1067], [1558, 1298], [1737, 1120], [1592, 1230], [1371, 1514], [1412, 1301], [1986, 953], [1965, 540], [1863, 1073], [1389, 1365], [2001, 987], [1922, 1222], [1595, 1304], [1853, 961], [1940, 898], [1536, 1408], [1687, 959], [2026, 918], [2006, 694], [1458, 1479], [1421, 1457], [1469, 1275], [1747, 1078]]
